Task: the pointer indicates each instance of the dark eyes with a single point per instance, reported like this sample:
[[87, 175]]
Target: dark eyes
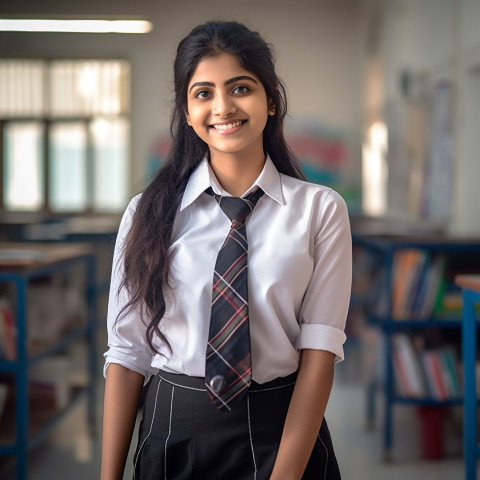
[[206, 94], [202, 94], [241, 89]]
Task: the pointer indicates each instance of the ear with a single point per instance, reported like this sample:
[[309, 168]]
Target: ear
[[187, 117], [271, 108]]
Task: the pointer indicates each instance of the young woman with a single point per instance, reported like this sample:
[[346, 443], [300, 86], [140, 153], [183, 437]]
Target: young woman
[[228, 141]]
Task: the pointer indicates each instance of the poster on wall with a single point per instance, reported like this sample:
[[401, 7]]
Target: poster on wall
[[324, 153], [439, 173], [420, 155]]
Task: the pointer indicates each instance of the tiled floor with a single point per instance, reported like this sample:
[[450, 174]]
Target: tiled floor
[[70, 454]]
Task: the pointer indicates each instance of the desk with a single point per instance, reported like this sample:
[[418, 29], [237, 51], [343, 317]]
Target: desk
[[19, 265], [471, 294]]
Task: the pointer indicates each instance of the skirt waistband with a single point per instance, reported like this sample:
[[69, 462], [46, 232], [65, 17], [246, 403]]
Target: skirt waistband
[[198, 383]]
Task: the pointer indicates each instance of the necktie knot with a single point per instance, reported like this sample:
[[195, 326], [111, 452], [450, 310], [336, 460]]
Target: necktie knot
[[235, 208]]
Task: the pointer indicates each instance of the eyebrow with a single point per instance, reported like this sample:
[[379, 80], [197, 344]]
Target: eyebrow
[[227, 82]]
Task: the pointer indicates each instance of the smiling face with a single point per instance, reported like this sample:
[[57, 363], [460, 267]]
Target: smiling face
[[227, 107]]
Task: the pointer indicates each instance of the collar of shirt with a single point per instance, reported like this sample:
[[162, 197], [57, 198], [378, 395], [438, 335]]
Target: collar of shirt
[[203, 177]]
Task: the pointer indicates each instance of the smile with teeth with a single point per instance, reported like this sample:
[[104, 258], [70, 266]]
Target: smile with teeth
[[228, 126]]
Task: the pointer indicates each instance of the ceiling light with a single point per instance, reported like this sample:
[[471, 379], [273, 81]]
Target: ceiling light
[[74, 26]]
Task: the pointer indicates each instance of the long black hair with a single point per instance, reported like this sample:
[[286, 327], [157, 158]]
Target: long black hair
[[146, 262]]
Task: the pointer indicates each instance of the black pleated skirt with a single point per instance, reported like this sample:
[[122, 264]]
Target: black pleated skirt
[[183, 436]]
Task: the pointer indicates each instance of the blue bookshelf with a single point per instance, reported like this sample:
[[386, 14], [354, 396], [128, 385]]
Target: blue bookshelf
[[470, 285], [18, 268], [383, 249]]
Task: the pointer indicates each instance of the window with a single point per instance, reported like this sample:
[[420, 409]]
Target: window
[[64, 127], [23, 166], [68, 162]]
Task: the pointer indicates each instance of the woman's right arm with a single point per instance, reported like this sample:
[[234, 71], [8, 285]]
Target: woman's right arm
[[122, 391]]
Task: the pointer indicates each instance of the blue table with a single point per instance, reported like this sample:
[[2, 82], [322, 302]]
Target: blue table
[[471, 295]]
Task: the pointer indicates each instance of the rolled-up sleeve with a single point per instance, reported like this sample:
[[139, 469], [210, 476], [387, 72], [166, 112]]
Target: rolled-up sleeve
[[127, 343], [325, 305]]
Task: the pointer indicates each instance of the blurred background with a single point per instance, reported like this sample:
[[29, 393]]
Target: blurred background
[[384, 102]]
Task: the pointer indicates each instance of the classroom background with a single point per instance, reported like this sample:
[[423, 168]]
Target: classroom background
[[384, 102]]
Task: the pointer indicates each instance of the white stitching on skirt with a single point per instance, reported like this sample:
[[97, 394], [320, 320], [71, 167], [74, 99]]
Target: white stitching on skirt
[[168, 436], [183, 386], [326, 458], [251, 439], [150, 431], [257, 390]]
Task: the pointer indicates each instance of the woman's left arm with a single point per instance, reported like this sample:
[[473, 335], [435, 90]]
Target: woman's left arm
[[322, 322], [305, 414]]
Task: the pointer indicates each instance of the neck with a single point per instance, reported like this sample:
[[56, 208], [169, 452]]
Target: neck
[[236, 173]]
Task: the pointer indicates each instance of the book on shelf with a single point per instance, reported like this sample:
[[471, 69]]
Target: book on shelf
[[434, 287], [425, 373], [417, 284], [406, 267], [408, 372], [435, 376], [451, 367]]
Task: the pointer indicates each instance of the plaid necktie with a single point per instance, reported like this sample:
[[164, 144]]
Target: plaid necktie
[[228, 368]]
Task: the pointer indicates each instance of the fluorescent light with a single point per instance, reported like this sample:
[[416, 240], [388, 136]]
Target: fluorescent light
[[74, 26]]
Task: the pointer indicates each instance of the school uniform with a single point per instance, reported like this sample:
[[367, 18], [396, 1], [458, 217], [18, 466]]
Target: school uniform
[[299, 274]]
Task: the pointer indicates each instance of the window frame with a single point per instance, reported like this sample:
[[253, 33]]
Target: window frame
[[46, 120]]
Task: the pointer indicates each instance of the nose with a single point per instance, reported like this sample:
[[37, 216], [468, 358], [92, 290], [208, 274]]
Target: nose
[[223, 105]]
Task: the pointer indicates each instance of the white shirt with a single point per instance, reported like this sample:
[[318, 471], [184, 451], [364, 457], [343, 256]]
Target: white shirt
[[299, 274]]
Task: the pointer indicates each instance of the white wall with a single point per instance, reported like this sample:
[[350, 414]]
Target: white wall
[[467, 200], [442, 39], [317, 44]]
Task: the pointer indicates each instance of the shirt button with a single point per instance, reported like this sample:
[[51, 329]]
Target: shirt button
[[217, 383]]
